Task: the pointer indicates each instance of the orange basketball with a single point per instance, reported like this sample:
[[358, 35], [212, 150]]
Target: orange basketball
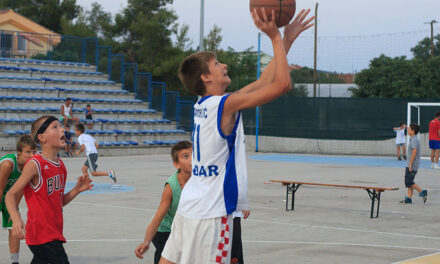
[[284, 9]]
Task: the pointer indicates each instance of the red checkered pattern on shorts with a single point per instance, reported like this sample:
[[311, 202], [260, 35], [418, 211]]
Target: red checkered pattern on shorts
[[225, 240]]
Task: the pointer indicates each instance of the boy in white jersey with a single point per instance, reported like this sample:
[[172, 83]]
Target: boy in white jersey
[[201, 231], [400, 140]]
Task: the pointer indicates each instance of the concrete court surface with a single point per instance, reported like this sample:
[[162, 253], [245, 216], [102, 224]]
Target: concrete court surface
[[329, 225]]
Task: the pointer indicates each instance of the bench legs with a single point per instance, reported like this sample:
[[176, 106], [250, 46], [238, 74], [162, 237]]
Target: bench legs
[[291, 189], [374, 196]]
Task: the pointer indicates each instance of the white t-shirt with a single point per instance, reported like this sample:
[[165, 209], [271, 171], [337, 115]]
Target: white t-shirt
[[218, 185], [67, 110], [400, 136], [88, 142]]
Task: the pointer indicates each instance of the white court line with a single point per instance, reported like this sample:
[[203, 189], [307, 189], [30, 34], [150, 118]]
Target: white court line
[[346, 229], [264, 242], [284, 223], [115, 206], [416, 258]]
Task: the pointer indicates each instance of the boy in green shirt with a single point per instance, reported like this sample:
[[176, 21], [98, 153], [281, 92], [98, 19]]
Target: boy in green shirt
[[11, 166], [160, 226]]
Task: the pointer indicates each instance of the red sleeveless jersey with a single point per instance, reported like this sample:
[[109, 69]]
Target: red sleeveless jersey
[[45, 202]]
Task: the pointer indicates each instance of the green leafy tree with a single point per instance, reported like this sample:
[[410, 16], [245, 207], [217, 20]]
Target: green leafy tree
[[423, 49], [47, 13], [213, 39]]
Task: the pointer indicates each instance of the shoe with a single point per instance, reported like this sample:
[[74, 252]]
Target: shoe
[[424, 195], [112, 175], [436, 166], [406, 200], [432, 165], [399, 158], [404, 157]]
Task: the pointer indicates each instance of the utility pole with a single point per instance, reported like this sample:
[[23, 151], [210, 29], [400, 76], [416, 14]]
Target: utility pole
[[432, 36], [315, 76], [202, 23]]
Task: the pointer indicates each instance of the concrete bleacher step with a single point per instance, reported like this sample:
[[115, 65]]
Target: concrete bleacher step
[[6, 90], [45, 64], [31, 101], [123, 125]]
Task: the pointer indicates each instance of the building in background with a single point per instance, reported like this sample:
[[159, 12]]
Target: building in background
[[22, 37]]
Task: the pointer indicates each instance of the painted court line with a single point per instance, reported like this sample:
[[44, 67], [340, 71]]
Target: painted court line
[[118, 240], [347, 229], [284, 223]]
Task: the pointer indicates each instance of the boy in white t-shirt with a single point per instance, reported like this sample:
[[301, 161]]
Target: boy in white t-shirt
[[400, 140], [89, 144], [201, 232]]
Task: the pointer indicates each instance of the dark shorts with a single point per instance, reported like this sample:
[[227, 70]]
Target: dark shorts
[[91, 159], [159, 241], [72, 144], [409, 177], [237, 247], [434, 144], [52, 252]]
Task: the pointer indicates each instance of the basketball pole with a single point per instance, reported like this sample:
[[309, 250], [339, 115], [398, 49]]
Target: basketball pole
[[202, 22], [257, 114], [315, 76]]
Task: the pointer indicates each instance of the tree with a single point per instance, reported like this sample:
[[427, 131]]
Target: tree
[[47, 13], [213, 39], [423, 49], [183, 42]]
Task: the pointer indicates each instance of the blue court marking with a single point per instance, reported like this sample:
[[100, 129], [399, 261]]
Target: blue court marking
[[354, 161], [100, 188]]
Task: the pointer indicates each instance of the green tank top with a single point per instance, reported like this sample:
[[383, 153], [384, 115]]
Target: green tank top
[[16, 172], [165, 225]]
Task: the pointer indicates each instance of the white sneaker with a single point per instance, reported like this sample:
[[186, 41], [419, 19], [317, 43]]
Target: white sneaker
[[432, 165], [436, 166]]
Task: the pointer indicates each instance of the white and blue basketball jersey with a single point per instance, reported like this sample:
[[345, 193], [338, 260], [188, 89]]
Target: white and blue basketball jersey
[[218, 184]]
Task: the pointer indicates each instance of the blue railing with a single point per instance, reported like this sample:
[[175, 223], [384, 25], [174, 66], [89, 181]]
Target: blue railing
[[27, 45]]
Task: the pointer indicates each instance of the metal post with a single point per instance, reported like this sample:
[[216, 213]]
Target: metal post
[[315, 76], [432, 36], [257, 113], [202, 22]]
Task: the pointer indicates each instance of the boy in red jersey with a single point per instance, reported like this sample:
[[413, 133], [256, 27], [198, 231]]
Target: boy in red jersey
[[42, 182]]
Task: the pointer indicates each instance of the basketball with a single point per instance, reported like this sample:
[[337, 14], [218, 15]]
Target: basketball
[[284, 9]]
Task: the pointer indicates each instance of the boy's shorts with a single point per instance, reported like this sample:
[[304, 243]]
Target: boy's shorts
[[409, 177], [6, 222], [72, 144], [400, 144], [89, 121], [434, 144], [91, 159], [51, 252], [199, 241]]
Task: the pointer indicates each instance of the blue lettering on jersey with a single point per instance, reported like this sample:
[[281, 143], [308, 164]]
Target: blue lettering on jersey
[[201, 113], [212, 171]]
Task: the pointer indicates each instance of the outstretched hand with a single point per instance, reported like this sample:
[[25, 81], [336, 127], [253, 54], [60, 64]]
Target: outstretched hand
[[265, 24], [84, 183], [297, 26]]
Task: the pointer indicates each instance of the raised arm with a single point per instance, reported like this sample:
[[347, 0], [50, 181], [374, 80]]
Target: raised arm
[[164, 206], [291, 32]]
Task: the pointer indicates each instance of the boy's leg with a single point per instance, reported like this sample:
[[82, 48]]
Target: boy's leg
[[84, 170], [404, 151], [415, 186], [237, 247], [14, 246], [398, 152], [436, 156], [76, 119], [410, 192], [159, 241]]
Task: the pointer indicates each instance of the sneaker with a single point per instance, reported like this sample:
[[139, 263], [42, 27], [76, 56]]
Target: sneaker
[[406, 200], [112, 175], [404, 157], [399, 158], [424, 195], [436, 166], [432, 165]]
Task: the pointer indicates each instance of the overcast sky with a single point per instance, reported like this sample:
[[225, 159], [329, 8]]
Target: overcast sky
[[347, 18]]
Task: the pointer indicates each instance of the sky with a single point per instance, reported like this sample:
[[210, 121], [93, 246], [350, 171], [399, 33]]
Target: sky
[[351, 32]]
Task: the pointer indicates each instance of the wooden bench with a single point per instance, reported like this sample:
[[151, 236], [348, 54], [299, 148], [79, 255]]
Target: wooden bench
[[373, 192]]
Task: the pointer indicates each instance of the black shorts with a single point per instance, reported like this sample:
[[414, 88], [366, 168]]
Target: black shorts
[[51, 252], [409, 177], [91, 159], [159, 241]]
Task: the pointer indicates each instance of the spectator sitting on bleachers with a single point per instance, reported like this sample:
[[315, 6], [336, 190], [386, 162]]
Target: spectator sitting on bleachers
[[66, 112], [89, 117], [70, 143]]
